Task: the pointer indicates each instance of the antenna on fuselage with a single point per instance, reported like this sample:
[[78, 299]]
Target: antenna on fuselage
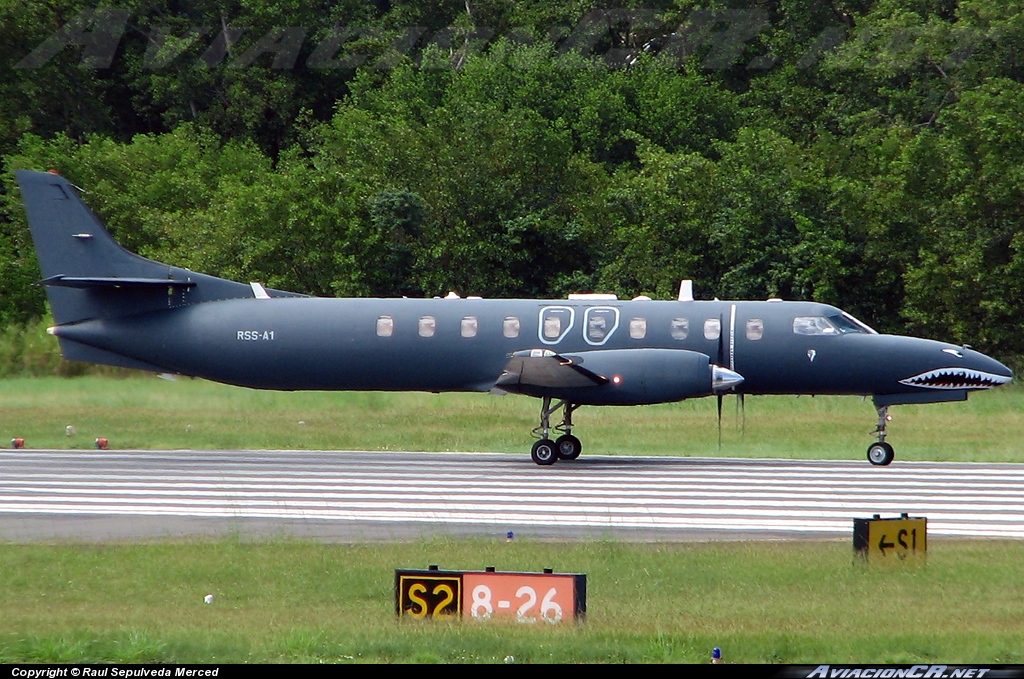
[[686, 291]]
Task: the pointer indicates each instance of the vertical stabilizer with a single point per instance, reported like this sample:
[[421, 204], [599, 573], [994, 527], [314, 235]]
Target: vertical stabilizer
[[87, 274]]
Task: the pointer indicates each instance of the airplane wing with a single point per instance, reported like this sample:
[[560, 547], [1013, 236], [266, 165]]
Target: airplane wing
[[545, 368]]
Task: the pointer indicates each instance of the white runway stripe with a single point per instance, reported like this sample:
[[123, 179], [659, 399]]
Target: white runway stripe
[[1007, 499], [489, 489], [497, 501]]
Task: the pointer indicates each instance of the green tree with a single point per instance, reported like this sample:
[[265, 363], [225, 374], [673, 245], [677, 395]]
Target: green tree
[[967, 284]]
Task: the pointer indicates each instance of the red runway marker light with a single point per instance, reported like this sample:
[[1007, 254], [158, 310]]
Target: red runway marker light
[[101, 444], [17, 443]]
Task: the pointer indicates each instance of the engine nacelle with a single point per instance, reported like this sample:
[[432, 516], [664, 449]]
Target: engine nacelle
[[625, 377]]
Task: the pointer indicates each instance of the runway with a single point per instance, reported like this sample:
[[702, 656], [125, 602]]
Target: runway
[[342, 495]]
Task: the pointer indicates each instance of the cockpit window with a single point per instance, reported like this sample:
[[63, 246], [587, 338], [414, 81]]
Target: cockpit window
[[847, 323], [839, 324], [813, 325]]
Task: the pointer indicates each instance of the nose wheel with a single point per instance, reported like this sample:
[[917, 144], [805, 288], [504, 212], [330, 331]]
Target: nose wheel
[[881, 453], [565, 447]]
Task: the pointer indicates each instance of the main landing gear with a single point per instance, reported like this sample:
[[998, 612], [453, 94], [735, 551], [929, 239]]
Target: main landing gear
[[565, 447], [881, 453]]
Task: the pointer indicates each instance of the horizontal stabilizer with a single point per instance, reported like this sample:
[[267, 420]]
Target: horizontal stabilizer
[[112, 282]]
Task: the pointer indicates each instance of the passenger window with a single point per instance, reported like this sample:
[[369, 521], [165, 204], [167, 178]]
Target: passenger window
[[555, 323], [385, 326], [638, 328], [427, 326], [680, 328], [552, 327], [712, 328], [600, 323], [511, 326], [469, 326], [755, 329]]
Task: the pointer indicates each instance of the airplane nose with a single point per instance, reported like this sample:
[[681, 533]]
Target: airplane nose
[[962, 368], [996, 372], [723, 379]]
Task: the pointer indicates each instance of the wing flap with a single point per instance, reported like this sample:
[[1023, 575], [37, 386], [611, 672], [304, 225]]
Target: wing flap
[[545, 368]]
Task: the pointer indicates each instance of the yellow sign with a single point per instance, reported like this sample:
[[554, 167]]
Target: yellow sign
[[891, 540], [425, 595]]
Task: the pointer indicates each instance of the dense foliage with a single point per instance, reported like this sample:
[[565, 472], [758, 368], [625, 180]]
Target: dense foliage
[[866, 153]]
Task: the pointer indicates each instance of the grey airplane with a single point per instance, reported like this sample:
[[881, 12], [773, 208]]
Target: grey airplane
[[116, 308]]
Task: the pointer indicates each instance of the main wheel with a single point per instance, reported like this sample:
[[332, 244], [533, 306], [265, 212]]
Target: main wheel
[[880, 453], [544, 452], [569, 447]]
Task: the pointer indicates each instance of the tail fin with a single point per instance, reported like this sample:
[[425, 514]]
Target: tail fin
[[87, 274]]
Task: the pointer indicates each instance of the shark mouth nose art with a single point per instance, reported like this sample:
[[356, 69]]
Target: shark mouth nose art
[[955, 378]]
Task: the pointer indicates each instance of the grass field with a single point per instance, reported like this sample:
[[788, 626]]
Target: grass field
[[292, 601], [146, 412], [784, 602]]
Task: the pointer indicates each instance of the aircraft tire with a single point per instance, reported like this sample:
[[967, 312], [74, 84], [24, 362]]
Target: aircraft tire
[[544, 452], [569, 447], [880, 454]]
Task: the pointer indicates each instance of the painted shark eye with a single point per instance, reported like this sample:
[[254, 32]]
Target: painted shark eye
[[954, 352]]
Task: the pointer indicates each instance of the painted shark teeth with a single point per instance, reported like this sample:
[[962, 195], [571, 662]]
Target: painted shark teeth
[[955, 378]]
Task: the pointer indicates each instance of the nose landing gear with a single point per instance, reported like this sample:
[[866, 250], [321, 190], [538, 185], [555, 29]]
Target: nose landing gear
[[881, 453]]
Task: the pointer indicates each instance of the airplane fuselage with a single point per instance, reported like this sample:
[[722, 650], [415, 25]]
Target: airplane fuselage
[[463, 344]]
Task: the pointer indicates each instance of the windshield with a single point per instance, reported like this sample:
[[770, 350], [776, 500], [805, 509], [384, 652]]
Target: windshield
[[838, 324], [844, 322]]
